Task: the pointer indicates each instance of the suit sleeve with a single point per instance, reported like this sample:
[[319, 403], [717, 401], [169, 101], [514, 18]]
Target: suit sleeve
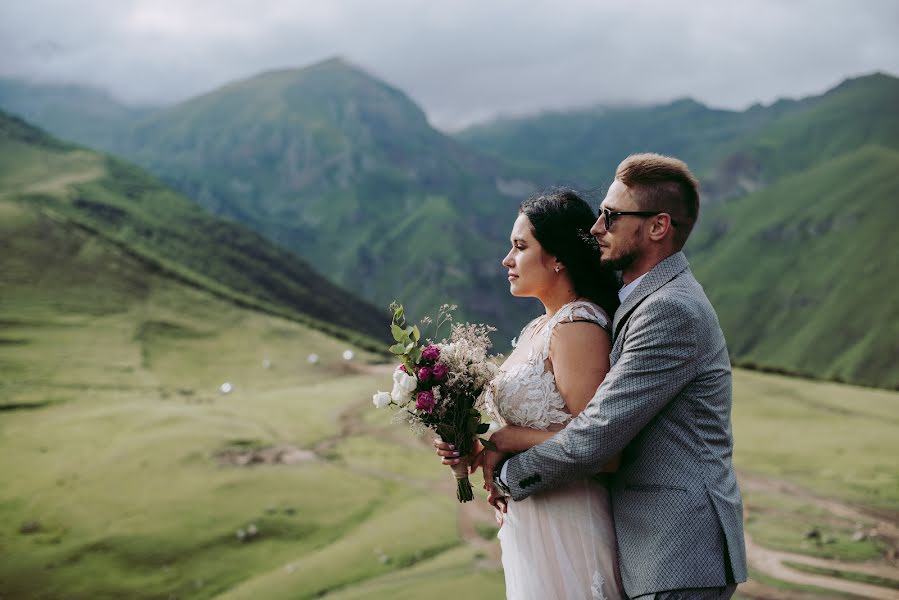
[[657, 361]]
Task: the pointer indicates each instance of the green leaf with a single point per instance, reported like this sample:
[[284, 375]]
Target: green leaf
[[399, 349], [483, 428], [399, 314], [416, 334], [415, 355], [489, 445], [398, 333], [409, 346]]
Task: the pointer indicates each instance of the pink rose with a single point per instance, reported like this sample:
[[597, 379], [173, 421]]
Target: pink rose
[[431, 353], [439, 372], [424, 374], [403, 369], [424, 401]]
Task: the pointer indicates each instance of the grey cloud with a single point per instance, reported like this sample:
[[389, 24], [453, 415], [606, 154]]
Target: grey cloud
[[463, 60]]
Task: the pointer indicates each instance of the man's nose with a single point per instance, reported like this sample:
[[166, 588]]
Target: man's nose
[[599, 227]]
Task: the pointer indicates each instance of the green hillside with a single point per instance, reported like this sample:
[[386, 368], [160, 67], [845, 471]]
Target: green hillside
[[800, 272], [48, 188]]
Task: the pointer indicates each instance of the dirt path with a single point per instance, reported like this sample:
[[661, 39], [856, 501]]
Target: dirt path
[[886, 522], [61, 182], [769, 562]]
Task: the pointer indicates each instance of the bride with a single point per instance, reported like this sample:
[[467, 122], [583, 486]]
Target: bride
[[558, 543]]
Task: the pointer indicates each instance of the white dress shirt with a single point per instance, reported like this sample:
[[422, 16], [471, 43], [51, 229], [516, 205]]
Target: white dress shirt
[[626, 290]]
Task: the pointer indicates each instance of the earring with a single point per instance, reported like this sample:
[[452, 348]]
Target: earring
[[557, 268]]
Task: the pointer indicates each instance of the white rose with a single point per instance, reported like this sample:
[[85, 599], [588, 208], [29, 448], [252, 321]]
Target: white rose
[[406, 382], [403, 386], [381, 399]]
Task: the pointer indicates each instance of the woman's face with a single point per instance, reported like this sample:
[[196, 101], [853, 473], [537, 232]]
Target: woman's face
[[531, 270]]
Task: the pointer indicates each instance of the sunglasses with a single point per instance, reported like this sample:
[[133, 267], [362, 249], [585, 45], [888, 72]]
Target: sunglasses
[[609, 216]]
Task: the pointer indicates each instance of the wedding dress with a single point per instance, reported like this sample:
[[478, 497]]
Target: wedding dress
[[560, 543]]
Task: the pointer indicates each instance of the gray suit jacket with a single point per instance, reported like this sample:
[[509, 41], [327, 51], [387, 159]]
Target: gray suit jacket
[[666, 405]]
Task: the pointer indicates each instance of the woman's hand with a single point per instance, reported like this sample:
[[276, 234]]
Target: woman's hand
[[450, 455]]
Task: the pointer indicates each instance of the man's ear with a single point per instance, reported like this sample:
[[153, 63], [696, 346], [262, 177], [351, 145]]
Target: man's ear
[[660, 226]]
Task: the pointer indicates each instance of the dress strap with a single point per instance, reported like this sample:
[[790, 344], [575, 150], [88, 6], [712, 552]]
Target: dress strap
[[579, 310]]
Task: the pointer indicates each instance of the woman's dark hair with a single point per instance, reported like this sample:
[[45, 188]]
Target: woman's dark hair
[[561, 221]]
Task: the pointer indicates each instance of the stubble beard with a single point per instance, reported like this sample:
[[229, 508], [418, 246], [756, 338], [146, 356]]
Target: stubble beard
[[621, 263]]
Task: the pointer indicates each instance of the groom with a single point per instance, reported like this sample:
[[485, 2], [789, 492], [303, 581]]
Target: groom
[[665, 403]]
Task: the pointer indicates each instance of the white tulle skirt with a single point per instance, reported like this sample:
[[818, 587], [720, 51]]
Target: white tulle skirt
[[560, 544]]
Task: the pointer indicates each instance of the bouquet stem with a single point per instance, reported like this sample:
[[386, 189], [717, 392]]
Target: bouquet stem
[[463, 487]]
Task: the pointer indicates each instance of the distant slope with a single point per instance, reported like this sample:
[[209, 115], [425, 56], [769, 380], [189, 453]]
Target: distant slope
[[802, 273], [72, 112], [43, 180]]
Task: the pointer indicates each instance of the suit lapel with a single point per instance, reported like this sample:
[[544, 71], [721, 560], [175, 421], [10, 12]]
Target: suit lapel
[[660, 274]]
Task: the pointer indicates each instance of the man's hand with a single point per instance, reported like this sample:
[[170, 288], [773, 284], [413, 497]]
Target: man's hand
[[499, 502], [489, 461]]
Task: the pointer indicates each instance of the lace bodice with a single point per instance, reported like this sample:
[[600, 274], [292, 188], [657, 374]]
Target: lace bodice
[[524, 392]]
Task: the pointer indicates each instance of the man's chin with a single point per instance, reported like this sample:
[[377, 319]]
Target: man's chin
[[619, 263]]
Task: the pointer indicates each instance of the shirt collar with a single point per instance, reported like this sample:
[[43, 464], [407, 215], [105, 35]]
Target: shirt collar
[[625, 291]]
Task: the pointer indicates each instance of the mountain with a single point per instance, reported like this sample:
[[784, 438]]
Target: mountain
[[52, 191], [79, 113], [344, 170]]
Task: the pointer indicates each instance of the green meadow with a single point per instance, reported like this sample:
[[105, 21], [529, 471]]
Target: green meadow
[[112, 428]]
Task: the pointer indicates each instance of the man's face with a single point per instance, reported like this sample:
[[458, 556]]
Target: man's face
[[621, 246]]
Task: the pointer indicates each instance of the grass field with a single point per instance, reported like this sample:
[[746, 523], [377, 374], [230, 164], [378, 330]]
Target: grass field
[[837, 440], [111, 425]]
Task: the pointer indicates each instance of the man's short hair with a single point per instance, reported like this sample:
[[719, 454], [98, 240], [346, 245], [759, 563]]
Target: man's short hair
[[664, 184]]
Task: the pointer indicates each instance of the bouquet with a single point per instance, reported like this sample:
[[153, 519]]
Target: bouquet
[[439, 385]]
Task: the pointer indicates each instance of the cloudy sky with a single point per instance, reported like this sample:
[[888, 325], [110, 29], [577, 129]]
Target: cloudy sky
[[462, 60]]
